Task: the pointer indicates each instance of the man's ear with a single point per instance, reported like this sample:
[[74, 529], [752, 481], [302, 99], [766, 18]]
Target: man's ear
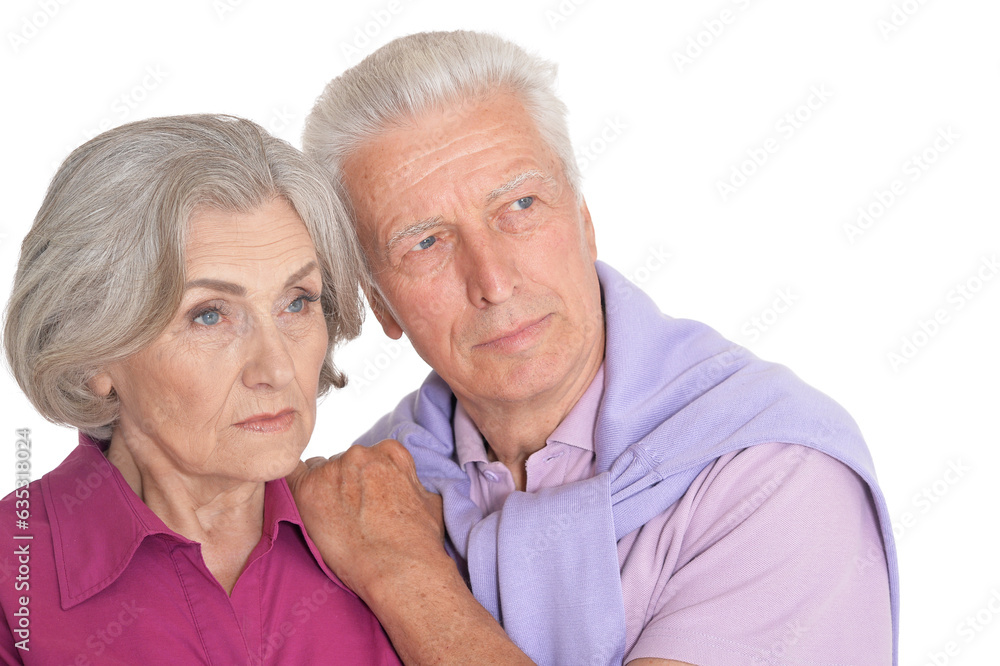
[[588, 229], [100, 384], [389, 324]]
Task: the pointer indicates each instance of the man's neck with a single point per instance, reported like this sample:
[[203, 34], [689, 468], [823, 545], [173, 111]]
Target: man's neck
[[515, 430]]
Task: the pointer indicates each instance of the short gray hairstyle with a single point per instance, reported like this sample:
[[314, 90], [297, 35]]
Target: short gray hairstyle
[[434, 70], [101, 271]]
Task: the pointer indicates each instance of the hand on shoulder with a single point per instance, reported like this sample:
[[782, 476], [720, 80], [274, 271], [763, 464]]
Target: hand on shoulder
[[367, 512]]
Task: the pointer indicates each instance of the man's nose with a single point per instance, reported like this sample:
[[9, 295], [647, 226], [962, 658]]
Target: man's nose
[[492, 275]]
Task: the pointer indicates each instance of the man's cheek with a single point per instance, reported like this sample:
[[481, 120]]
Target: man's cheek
[[427, 319]]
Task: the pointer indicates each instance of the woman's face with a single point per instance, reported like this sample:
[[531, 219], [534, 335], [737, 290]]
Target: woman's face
[[228, 390]]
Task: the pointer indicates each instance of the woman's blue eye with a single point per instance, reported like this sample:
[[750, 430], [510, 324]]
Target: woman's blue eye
[[208, 318], [425, 243], [299, 304], [523, 203]]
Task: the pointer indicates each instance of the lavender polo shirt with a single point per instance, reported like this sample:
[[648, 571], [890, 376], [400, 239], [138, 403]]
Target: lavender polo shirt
[[110, 583], [758, 562]]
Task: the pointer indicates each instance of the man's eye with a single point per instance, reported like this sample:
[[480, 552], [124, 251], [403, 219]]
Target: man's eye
[[522, 203], [425, 243], [208, 318]]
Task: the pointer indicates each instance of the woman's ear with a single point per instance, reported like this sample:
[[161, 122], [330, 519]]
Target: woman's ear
[[100, 384]]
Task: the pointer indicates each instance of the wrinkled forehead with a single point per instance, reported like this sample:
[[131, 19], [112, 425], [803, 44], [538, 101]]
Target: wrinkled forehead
[[438, 126], [464, 141], [256, 244]]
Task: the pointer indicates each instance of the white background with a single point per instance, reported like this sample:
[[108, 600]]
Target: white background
[[658, 135]]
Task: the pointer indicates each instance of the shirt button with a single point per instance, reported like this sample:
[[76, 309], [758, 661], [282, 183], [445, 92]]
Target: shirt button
[[491, 476]]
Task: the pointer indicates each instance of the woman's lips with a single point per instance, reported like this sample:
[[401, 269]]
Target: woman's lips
[[267, 423]]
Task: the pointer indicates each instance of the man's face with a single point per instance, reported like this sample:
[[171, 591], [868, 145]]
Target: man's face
[[482, 251]]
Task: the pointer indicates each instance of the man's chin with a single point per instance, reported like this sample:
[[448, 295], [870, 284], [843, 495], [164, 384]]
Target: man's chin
[[516, 381]]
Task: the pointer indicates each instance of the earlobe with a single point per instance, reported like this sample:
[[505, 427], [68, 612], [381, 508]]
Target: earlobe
[[100, 384], [389, 324], [588, 229]]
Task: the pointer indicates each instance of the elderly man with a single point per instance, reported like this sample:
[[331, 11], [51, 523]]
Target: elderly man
[[618, 486]]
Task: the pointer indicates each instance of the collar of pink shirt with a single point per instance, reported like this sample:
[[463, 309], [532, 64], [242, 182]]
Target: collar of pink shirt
[[91, 553]]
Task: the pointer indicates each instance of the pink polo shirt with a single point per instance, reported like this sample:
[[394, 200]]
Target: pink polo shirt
[[772, 556], [102, 580]]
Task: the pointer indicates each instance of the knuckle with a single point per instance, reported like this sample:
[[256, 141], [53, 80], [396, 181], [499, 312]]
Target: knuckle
[[398, 451], [355, 456], [394, 453]]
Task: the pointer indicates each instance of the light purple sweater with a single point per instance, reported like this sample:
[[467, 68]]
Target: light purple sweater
[[677, 397]]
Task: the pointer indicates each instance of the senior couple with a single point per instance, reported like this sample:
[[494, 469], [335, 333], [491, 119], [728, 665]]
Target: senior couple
[[609, 485]]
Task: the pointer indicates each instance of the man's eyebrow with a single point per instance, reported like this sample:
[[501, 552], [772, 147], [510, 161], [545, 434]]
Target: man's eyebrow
[[240, 290], [410, 231], [515, 182]]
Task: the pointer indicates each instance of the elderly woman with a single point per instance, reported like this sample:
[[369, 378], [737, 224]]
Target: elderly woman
[[177, 300]]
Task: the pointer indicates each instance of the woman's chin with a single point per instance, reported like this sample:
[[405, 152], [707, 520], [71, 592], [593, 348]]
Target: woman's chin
[[270, 456], [276, 468]]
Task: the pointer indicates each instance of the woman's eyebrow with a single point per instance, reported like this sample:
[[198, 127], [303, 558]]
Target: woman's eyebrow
[[217, 285], [299, 274], [240, 290]]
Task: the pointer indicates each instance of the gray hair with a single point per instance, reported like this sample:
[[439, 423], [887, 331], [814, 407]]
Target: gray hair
[[101, 271], [434, 70]]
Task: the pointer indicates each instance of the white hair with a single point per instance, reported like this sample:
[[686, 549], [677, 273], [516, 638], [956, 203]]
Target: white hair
[[434, 70], [101, 271]]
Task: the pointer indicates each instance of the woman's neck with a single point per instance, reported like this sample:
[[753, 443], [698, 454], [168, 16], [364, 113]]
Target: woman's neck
[[224, 515]]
